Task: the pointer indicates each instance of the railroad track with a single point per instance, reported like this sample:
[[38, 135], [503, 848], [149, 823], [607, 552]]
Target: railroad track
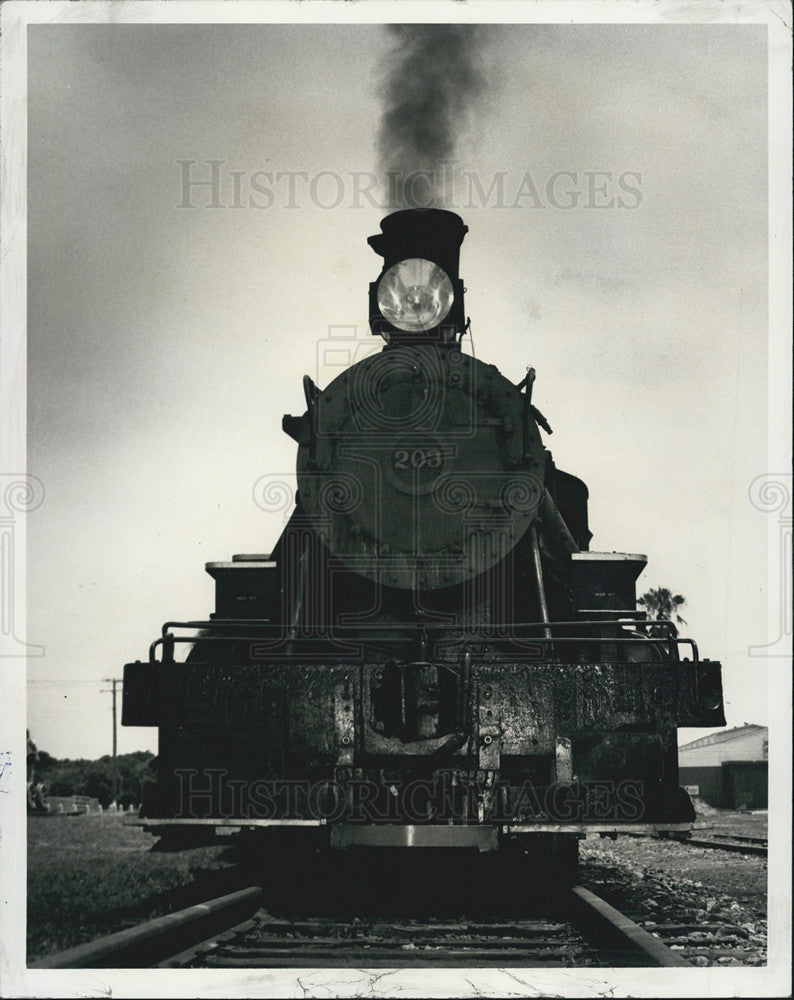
[[738, 844], [728, 842], [366, 909], [709, 944], [574, 929]]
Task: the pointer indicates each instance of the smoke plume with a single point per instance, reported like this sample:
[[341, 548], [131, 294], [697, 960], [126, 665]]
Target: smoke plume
[[433, 85]]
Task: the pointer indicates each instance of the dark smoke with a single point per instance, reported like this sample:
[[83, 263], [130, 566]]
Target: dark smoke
[[431, 92]]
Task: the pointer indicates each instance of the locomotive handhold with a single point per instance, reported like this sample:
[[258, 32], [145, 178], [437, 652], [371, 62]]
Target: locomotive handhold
[[430, 654]]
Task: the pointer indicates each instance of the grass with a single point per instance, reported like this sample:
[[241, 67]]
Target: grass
[[93, 875]]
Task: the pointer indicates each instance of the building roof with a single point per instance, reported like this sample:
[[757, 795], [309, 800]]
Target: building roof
[[724, 736]]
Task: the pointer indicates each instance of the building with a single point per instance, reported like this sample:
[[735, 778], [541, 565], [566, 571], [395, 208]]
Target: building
[[727, 769]]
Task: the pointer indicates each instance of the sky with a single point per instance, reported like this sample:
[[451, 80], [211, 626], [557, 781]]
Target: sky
[[622, 253]]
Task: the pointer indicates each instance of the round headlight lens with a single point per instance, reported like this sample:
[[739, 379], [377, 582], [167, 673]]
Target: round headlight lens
[[415, 295]]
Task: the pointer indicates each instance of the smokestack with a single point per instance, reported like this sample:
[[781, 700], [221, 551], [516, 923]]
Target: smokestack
[[431, 91]]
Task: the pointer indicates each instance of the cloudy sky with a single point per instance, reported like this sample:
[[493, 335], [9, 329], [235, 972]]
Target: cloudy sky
[[622, 252]]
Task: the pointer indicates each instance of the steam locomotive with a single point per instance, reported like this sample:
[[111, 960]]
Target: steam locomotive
[[431, 655]]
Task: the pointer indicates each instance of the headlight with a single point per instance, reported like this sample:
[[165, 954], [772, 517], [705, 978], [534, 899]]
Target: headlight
[[415, 295]]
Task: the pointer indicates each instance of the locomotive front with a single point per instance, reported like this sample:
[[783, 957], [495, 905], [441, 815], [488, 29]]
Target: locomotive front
[[430, 655]]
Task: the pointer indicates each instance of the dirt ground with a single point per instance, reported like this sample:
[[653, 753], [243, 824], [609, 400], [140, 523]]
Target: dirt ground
[[738, 877], [663, 882]]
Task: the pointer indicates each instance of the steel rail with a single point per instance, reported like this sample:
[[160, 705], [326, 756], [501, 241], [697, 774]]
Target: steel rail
[[149, 942], [605, 937], [625, 934], [737, 848], [740, 847], [742, 837], [234, 931]]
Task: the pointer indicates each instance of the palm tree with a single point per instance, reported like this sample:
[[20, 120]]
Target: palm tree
[[662, 604]]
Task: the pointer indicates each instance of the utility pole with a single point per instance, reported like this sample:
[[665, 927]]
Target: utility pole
[[114, 681]]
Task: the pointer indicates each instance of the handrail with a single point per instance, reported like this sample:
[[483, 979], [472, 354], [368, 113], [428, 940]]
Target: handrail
[[168, 639], [265, 623]]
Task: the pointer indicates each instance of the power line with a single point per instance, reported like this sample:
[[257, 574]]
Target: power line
[[60, 682], [68, 712]]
